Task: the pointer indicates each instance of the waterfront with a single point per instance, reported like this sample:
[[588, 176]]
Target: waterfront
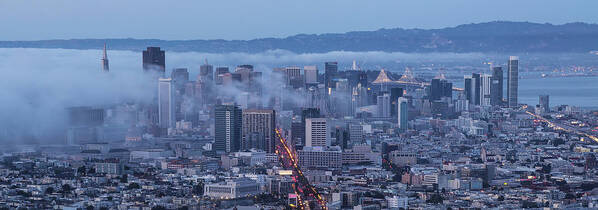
[[579, 91], [576, 91]]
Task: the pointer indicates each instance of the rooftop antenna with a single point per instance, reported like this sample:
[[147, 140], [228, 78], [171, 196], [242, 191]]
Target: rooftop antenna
[[105, 65]]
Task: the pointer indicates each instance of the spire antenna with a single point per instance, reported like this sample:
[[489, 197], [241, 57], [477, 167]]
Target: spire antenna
[[105, 65]]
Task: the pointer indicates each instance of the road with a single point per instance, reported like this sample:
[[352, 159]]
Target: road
[[560, 127], [302, 187]]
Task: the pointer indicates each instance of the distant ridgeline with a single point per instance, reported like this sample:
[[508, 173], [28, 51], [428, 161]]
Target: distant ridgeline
[[491, 37]]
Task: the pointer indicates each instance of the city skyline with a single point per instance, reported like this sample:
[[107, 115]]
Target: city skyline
[[495, 115]]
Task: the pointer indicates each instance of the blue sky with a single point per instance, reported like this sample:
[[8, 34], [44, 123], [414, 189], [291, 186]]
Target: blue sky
[[248, 19]]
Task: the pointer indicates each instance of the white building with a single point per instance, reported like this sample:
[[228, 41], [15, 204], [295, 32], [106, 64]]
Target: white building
[[383, 104], [108, 167], [255, 157], [485, 85], [166, 103], [320, 157], [396, 202], [317, 132], [232, 189]]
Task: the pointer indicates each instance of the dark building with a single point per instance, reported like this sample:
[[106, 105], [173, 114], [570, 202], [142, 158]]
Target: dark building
[[330, 71], [363, 78], [513, 81], [227, 128], [468, 88], [85, 116], [496, 87], [355, 78], [297, 133], [246, 66], [342, 137], [477, 85], [435, 89], [545, 103], [154, 60], [206, 73], [440, 109], [237, 77], [440, 88], [220, 71], [84, 125], [447, 89]]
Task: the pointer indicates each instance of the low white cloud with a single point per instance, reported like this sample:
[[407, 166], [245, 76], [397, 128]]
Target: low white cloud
[[38, 84]]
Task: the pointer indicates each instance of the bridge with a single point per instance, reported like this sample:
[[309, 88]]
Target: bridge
[[303, 189], [406, 79]]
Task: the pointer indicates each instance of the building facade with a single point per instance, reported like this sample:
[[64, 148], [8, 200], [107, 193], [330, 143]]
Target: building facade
[[496, 86], [402, 111], [154, 60], [317, 132], [227, 128], [263, 123], [166, 103], [513, 81], [232, 189], [320, 157]]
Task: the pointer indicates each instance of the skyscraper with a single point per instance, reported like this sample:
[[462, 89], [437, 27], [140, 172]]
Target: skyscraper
[[105, 66], [227, 128], [395, 93], [330, 71], [434, 89], [544, 103], [262, 122], [485, 84], [496, 86], [180, 76], [468, 88], [402, 113], [362, 78], [341, 99], [166, 104], [316, 132], [219, 74], [440, 88], [311, 74], [306, 114], [293, 76], [206, 72], [476, 88], [154, 60], [383, 104], [447, 89], [513, 81]]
